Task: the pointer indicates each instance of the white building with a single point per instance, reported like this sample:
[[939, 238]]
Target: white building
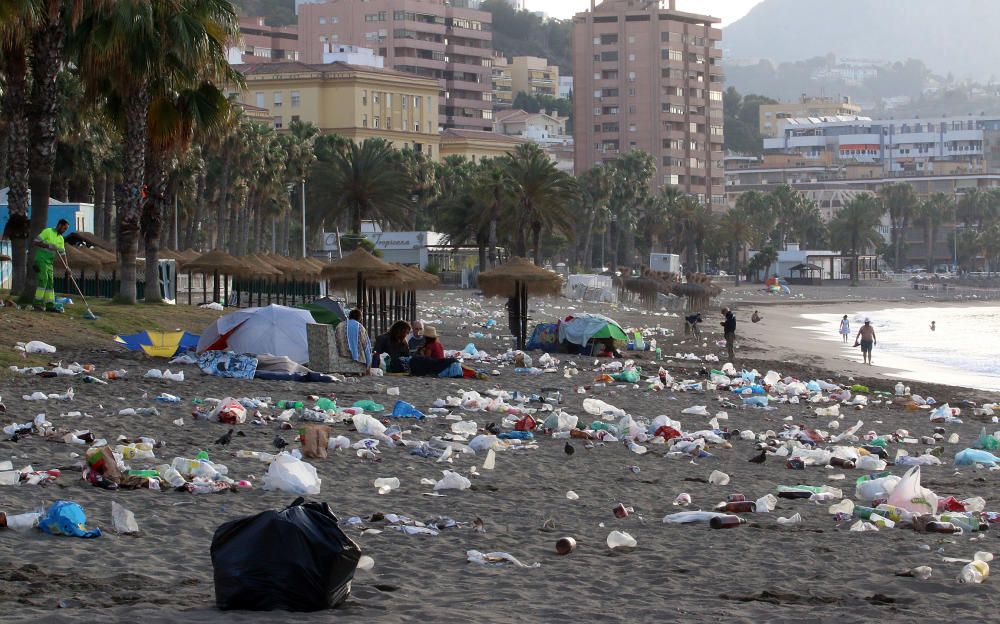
[[352, 55], [548, 130], [565, 87], [899, 146]]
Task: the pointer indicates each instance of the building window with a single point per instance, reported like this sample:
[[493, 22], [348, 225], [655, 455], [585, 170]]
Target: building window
[[375, 98], [631, 110], [259, 99], [631, 76], [631, 57], [631, 128], [334, 20], [364, 97], [404, 100], [277, 122], [631, 38], [416, 126], [322, 20], [375, 123], [608, 57], [715, 96], [664, 37], [295, 118], [277, 99], [631, 91], [364, 121], [296, 99], [388, 122], [671, 179], [671, 55]]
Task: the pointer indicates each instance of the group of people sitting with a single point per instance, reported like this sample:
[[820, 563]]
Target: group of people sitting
[[405, 348]]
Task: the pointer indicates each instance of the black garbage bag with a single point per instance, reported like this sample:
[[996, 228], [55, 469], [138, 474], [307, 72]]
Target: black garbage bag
[[296, 559]]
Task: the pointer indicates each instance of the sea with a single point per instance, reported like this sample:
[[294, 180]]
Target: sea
[[962, 350]]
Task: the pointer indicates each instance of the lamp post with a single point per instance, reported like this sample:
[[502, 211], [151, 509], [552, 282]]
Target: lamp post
[[303, 217]]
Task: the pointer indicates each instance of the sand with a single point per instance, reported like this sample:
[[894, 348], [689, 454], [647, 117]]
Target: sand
[[758, 572]]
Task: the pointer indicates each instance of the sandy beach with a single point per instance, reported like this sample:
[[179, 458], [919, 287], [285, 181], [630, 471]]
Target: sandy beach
[[758, 572]]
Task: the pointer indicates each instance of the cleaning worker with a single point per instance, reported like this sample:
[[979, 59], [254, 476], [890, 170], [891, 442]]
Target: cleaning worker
[[49, 242]]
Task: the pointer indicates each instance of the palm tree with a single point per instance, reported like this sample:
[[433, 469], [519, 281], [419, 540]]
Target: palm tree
[[900, 201], [631, 177], [854, 228], [930, 215], [989, 244], [541, 193], [135, 50], [690, 224], [656, 212], [14, 44], [595, 190], [736, 231], [172, 121], [787, 205], [759, 209], [365, 182], [977, 207]]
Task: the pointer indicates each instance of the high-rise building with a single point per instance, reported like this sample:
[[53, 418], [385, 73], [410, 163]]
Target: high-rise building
[[436, 39], [265, 44], [649, 78]]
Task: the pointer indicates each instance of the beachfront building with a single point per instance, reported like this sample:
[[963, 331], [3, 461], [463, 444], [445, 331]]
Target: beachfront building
[[356, 102], [475, 145], [773, 116], [650, 78], [901, 147], [260, 43], [423, 249], [815, 266], [447, 41]]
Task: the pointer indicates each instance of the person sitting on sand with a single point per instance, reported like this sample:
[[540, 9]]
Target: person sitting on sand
[[605, 347], [845, 328], [432, 349], [393, 344], [417, 339], [352, 339], [756, 317], [866, 338]]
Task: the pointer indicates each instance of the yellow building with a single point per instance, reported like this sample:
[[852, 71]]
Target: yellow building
[[476, 145], [354, 101], [529, 74], [772, 116]]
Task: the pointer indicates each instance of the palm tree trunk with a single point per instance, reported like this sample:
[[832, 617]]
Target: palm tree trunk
[[108, 213], [151, 223], [536, 242], [47, 48], [129, 195], [15, 69], [929, 234], [99, 205]]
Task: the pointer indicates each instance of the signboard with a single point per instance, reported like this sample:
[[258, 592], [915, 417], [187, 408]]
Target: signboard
[[386, 241]]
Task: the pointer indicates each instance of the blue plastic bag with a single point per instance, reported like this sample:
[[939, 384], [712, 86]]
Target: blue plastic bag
[[402, 409], [516, 435], [67, 518], [756, 401], [968, 457], [470, 349]]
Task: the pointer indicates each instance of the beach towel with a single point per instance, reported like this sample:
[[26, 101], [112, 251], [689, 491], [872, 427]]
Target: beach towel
[[228, 364], [352, 341]]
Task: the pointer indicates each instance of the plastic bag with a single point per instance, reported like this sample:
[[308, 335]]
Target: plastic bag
[[123, 520], [452, 481], [369, 406], [969, 457], [37, 346], [229, 411], [402, 409], [295, 559], [290, 474], [66, 518], [910, 495], [630, 376], [368, 425], [987, 441]]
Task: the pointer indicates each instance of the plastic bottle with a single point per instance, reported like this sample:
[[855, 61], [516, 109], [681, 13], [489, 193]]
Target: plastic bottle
[[900, 389], [289, 405], [737, 507], [974, 572], [941, 527], [839, 462], [726, 522], [171, 476], [896, 514], [325, 404]]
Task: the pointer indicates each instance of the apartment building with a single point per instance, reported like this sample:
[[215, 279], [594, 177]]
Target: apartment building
[[261, 43], [773, 116], [918, 147], [443, 40], [356, 102], [649, 78], [522, 74]]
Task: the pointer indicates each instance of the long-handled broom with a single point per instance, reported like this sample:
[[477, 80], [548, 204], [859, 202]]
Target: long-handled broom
[[88, 315]]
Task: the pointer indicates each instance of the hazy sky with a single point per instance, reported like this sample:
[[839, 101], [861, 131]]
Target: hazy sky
[[727, 10]]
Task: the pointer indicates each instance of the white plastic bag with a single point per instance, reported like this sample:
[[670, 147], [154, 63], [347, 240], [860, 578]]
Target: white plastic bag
[[288, 474], [368, 425], [718, 478], [123, 520], [452, 481], [37, 346], [911, 496]]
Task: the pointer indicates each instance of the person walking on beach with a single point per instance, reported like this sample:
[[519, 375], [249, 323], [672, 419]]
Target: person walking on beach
[[729, 331], [933, 326], [845, 328], [866, 338]]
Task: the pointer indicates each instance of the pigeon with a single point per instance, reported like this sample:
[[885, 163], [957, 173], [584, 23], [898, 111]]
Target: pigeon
[[493, 428], [569, 449], [279, 442], [759, 459], [226, 438]]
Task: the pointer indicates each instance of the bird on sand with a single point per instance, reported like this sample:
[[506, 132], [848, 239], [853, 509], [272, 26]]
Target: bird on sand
[[759, 459], [279, 442], [225, 438], [569, 449]]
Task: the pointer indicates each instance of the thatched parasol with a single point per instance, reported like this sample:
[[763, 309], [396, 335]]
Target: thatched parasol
[[699, 289], [503, 280], [359, 264], [83, 259], [516, 280], [216, 261]]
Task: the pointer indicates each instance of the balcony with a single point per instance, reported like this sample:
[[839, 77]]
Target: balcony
[[463, 85], [453, 48]]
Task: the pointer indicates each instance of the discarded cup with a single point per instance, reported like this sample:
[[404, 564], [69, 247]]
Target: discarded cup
[[565, 545], [620, 539]]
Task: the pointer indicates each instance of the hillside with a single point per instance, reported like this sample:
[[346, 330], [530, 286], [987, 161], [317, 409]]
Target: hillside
[[521, 33], [956, 37], [277, 12]]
